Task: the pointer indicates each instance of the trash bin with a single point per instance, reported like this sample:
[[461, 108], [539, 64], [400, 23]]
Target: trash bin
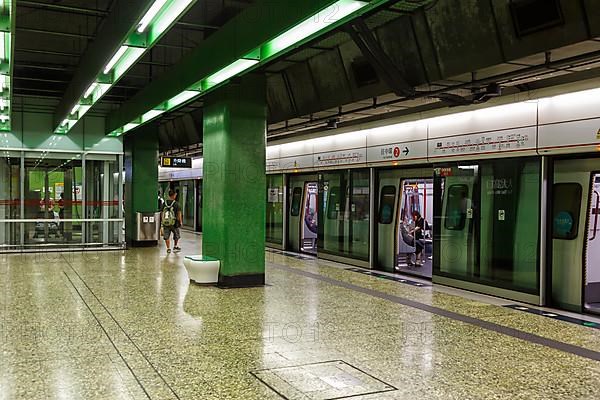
[[147, 227]]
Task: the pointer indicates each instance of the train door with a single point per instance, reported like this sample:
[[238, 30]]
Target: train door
[[455, 230], [400, 193], [575, 239], [302, 214], [199, 205], [591, 289], [414, 242], [389, 184]]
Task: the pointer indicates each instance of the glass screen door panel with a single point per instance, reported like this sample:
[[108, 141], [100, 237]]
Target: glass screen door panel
[[102, 202], [10, 199], [51, 182], [592, 256]]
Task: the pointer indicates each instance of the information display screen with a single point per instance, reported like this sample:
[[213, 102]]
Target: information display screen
[[176, 162]]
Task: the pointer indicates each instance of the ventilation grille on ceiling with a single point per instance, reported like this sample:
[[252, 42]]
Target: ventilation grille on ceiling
[[530, 16], [363, 71]]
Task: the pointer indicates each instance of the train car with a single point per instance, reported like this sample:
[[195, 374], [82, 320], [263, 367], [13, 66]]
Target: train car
[[501, 198], [509, 193]]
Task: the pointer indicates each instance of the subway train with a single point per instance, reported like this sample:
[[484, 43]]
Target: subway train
[[501, 198]]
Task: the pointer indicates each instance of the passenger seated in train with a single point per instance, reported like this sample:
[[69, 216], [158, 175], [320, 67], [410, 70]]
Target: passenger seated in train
[[413, 235]]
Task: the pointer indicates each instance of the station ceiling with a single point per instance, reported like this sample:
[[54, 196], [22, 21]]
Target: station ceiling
[[403, 58]]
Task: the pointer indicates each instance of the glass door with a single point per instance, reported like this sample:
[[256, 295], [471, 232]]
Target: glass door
[[199, 205], [10, 199], [52, 187], [455, 229], [592, 256], [102, 208], [309, 229], [414, 252]]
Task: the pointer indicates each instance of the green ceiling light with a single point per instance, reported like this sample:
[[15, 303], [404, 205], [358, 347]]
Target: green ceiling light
[[181, 98], [6, 51], [233, 69], [120, 53], [130, 57], [325, 20], [5, 40], [169, 13], [90, 91], [150, 14], [150, 115], [157, 19], [319, 22], [130, 126]]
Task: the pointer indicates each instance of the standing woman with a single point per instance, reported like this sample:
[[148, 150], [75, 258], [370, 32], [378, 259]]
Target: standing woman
[[418, 233]]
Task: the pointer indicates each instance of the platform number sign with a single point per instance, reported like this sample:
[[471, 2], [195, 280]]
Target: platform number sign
[[176, 162]]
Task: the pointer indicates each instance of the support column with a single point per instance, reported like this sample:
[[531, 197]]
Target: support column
[[141, 178], [234, 181]]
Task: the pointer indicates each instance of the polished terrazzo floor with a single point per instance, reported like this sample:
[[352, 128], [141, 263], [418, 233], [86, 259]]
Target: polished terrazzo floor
[[127, 325]]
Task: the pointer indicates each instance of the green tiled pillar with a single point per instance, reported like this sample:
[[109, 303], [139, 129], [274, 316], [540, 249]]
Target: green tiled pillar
[[141, 177], [234, 181]]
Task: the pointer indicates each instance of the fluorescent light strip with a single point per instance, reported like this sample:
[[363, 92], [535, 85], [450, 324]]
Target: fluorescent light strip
[[75, 108], [130, 57], [4, 118], [294, 36], [90, 90], [181, 98], [310, 26], [151, 115], [170, 14], [228, 72], [3, 46], [130, 126], [83, 109], [115, 58], [159, 17], [154, 9]]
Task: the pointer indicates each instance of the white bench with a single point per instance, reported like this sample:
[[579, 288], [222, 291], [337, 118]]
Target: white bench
[[202, 269]]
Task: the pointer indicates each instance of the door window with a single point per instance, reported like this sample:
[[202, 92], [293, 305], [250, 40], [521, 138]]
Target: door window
[[296, 201], [456, 210], [386, 204], [566, 210]]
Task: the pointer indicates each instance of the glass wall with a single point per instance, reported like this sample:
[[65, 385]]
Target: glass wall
[[344, 205], [10, 198], [101, 198], [42, 199], [487, 223], [53, 183], [275, 195]]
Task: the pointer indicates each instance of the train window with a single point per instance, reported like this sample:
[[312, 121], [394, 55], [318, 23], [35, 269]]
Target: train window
[[456, 209], [334, 205], [386, 204], [296, 202], [566, 210]]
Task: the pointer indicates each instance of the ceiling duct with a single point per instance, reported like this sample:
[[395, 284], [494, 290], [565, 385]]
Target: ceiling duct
[[363, 72], [531, 16]]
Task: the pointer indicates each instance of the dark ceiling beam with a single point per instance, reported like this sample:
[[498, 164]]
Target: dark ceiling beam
[[381, 62], [90, 37], [62, 8], [99, 13]]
